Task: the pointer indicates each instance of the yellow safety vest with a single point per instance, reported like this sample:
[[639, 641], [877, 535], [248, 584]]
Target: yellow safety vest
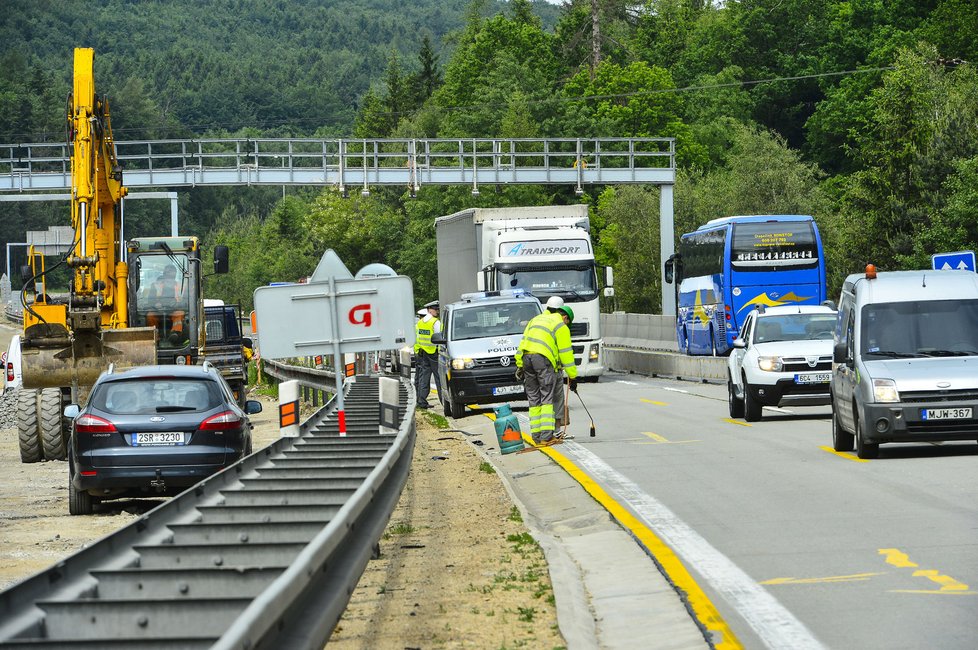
[[547, 334], [422, 338]]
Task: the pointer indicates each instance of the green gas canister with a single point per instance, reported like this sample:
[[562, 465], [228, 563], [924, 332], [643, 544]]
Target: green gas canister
[[508, 430]]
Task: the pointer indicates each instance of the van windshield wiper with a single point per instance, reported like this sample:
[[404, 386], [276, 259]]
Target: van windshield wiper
[[948, 353], [895, 355]]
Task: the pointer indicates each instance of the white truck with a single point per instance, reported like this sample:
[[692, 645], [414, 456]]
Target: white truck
[[546, 251]]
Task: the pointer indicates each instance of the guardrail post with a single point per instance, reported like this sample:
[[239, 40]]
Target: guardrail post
[[389, 398], [288, 408]]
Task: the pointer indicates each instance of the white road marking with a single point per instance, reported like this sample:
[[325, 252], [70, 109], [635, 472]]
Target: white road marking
[[779, 410], [630, 383], [675, 390], [774, 624]]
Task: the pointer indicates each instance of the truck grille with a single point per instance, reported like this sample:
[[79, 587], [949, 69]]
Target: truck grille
[[579, 329], [965, 395]]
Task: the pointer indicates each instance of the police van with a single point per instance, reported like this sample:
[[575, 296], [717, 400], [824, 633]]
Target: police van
[[905, 361], [477, 348]]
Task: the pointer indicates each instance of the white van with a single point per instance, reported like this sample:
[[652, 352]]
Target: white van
[[11, 365], [905, 359]]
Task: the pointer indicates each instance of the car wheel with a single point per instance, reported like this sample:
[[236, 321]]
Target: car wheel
[[52, 434], [842, 440], [752, 408], [27, 429], [79, 501], [735, 404], [865, 449]]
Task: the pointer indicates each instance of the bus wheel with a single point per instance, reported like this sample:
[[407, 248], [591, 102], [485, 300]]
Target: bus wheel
[[713, 343]]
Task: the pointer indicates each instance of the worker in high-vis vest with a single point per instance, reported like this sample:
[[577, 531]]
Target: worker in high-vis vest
[[543, 355], [426, 354]]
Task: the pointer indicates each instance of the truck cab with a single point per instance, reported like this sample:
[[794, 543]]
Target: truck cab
[[477, 348], [905, 359]]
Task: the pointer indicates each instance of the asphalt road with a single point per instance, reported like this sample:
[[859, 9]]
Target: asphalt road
[[795, 545]]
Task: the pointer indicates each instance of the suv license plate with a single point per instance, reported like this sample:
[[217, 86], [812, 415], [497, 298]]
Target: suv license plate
[[945, 414], [158, 438], [813, 378], [506, 390]]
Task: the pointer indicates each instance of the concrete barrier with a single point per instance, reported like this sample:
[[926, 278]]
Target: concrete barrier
[[645, 344]]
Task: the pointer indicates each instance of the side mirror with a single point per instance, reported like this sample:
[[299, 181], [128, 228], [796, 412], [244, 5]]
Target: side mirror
[[739, 343], [830, 304], [609, 292], [438, 338], [71, 411], [26, 274], [253, 406], [839, 353], [609, 277], [220, 259]]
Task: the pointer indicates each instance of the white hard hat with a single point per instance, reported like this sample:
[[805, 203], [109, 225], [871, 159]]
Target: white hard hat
[[555, 302]]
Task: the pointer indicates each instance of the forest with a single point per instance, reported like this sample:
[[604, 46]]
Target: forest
[[863, 113]]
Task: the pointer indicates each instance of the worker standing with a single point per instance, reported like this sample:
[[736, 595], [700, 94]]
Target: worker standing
[[426, 354], [544, 353]]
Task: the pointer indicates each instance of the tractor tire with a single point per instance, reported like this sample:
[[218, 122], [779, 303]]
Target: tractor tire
[[27, 426], [53, 440]]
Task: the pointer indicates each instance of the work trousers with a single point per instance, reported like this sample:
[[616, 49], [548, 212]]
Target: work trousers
[[541, 382], [426, 365]]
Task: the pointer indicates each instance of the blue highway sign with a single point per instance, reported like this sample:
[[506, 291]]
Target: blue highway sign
[[959, 261]]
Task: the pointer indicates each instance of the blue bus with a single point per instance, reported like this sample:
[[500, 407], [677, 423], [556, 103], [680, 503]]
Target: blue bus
[[729, 266]]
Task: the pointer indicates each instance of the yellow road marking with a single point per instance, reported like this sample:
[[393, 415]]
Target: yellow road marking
[[947, 582], [703, 609], [659, 440], [855, 577], [732, 421], [844, 454], [652, 401], [897, 558], [654, 436]]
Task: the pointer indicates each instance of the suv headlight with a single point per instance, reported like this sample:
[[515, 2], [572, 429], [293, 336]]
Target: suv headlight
[[885, 390], [770, 364], [462, 363]]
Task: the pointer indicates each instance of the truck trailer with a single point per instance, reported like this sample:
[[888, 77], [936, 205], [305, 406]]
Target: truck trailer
[[546, 251]]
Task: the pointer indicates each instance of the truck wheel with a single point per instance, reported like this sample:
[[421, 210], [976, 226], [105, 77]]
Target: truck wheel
[[52, 434], [734, 404], [865, 449], [79, 501], [842, 440], [752, 408], [27, 429]]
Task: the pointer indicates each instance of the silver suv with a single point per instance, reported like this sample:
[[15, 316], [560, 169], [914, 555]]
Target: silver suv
[[782, 357]]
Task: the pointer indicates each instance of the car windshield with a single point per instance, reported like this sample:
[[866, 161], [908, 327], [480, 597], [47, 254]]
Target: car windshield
[[932, 328], [794, 327], [500, 319], [156, 395]]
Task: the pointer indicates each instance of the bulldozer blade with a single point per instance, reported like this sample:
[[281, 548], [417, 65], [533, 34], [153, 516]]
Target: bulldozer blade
[[54, 363]]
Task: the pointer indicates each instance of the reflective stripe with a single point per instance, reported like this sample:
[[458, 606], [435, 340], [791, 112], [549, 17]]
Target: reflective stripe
[[571, 349]]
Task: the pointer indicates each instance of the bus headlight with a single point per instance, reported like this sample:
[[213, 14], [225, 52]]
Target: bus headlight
[[770, 364], [462, 363], [885, 390]]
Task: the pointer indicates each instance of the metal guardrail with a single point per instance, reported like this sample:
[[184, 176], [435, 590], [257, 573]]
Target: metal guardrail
[[355, 163], [261, 555]]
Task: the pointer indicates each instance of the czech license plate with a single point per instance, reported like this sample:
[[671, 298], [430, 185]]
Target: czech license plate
[[507, 390], [813, 378], [159, 438], [945, 414]]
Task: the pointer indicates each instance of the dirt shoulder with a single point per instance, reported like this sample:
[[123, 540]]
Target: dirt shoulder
[[457, 567]]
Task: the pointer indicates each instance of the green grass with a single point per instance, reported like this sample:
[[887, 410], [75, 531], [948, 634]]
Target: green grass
[[436, 420], [487, 468], [514, 515], [398, 529]]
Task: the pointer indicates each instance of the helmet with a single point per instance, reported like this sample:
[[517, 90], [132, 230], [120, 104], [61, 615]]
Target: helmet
[[570, 312], [555, 302]]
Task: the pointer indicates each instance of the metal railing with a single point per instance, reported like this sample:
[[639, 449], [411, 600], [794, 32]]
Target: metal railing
[[355, 163]]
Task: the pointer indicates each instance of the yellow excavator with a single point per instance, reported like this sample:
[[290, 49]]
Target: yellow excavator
[[111, 314]]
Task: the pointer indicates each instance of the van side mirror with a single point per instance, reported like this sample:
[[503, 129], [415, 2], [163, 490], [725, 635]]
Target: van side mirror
[[840, 354], [220, 259], [609, 277], [438, 338]]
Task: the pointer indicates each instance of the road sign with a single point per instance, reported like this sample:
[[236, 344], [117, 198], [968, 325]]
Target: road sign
[[959, 261], [371, 314]]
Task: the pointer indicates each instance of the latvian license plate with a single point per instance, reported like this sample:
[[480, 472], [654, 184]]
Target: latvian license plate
[[945, 414], [159, 438], [813, 378], [506, 390]]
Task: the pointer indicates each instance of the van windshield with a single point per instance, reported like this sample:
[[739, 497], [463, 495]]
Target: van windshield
[[933, 328], [500, 319]]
